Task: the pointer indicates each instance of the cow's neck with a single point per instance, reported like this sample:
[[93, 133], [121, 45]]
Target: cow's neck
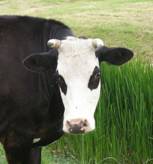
[[54, 109]]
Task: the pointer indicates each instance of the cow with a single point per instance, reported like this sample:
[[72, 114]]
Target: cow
[[49, 84]]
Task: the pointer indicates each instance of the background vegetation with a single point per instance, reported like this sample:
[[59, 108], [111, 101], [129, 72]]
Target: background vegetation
[[124, 116]]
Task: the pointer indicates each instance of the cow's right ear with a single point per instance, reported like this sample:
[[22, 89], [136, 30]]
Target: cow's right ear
[[40, 62]]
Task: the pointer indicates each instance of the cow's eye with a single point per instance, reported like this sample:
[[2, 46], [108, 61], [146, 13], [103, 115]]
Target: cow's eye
[[62, 84], [94, 79]]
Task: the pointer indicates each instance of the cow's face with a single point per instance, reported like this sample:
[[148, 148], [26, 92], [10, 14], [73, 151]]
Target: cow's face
[[78, 76], [79, 83]]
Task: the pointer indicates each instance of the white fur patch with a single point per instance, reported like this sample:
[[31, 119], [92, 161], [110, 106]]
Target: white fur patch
[[35, 140], [76, 63]]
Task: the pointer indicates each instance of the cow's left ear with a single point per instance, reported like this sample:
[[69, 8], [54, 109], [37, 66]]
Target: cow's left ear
[[116, 56], [40, 62]]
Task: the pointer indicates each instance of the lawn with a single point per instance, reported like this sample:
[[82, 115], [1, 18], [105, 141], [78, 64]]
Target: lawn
[[124, 132]]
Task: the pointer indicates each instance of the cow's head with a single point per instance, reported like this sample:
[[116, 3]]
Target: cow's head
[[78, 76]]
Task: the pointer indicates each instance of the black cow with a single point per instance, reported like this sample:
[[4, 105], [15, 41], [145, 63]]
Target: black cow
[[36, 83]]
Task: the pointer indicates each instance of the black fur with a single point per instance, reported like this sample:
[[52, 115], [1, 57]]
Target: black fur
[[116, 56], [94, 79], [30, 103]]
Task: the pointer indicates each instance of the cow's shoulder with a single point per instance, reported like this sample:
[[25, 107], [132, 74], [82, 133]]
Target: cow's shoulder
[[35, 25]]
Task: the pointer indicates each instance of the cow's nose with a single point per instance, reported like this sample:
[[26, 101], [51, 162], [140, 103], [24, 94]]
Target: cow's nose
[[77, 125]]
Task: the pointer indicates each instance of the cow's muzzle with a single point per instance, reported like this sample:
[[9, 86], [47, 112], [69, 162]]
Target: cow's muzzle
[[77, 126]]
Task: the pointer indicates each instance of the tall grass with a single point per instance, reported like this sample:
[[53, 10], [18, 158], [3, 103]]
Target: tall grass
[[124, 120]]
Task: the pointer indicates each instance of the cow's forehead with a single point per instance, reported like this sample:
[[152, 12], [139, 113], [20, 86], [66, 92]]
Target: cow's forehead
[[76, 45], [76, 57]]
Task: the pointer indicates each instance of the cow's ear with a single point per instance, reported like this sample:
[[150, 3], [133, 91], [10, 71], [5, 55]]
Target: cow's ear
[[40, 62], [116, 56]]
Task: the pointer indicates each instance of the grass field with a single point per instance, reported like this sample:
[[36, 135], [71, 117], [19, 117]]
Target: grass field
[[124, 116]]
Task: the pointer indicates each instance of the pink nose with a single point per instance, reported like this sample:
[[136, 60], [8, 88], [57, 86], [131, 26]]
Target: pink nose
[[77, 125]]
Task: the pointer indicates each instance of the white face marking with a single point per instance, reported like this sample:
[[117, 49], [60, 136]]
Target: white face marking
[[76, 63]]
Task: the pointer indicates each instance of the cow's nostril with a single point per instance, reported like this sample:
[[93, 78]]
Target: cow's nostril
[[68, 123], [85, 123]]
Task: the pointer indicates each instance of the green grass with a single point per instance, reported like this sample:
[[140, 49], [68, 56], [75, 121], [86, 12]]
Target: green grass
[[124, 131]]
